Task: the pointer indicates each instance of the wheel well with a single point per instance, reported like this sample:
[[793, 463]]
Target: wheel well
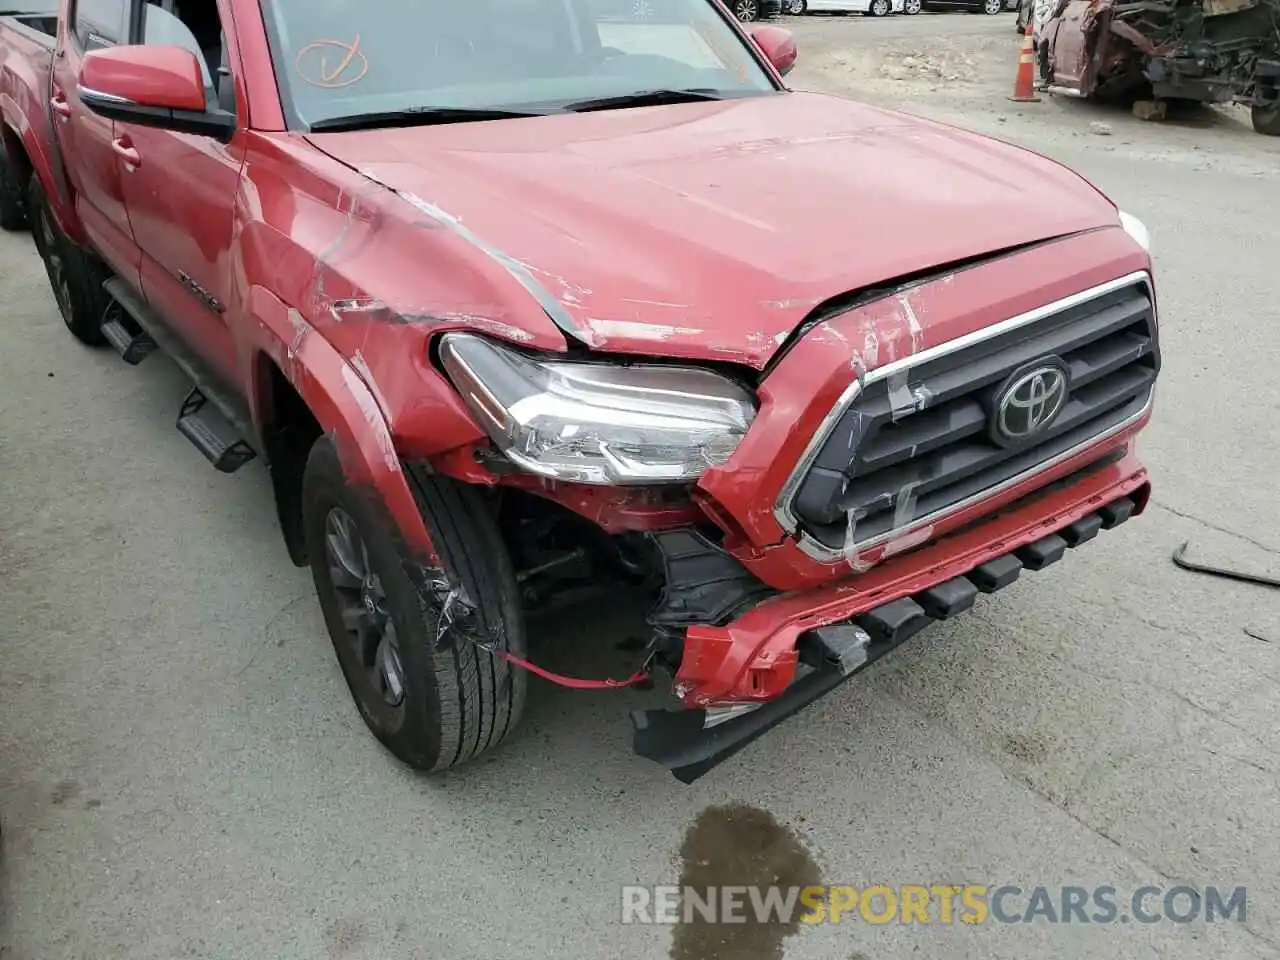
[[289, 430], [15, 152]]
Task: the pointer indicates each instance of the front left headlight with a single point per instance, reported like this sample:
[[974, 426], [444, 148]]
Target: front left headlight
[[1136, 229], [601, 423]]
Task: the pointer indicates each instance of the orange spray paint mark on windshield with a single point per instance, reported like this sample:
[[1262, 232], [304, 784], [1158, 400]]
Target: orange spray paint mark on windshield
[[312, 63]]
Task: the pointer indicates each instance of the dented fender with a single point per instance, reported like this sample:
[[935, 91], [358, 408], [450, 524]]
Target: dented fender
[[347, 410]]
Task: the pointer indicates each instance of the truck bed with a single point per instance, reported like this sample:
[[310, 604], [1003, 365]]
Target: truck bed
[[36, 20], [28, 35]]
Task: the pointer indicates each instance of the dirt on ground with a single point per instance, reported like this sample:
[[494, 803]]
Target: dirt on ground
[[961, 69]]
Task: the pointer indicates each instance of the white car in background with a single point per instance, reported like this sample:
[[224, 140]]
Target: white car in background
[[875, 8]]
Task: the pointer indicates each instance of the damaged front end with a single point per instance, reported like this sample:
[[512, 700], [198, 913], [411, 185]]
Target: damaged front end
[[904, 455], [736, 682], [1210, 51]]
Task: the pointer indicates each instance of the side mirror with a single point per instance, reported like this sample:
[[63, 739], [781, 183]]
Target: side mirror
[[778, 45], [158, 85]]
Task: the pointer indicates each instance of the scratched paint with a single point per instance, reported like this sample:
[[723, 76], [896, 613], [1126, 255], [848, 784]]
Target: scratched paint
[[914, 327], [301, 329], [362, 367], [908, 541], [604, 329], [372, 417], [519, 271]]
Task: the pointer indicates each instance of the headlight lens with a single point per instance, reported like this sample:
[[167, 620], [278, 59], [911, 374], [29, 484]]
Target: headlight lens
[[596, 422], [1136, 229]]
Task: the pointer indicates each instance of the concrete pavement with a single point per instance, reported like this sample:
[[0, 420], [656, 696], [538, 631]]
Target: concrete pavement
[[182, 773]]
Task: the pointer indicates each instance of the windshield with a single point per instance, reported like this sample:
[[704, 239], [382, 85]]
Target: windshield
[[346, 58]]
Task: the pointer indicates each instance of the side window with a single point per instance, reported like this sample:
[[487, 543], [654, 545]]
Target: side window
[[100, 23]]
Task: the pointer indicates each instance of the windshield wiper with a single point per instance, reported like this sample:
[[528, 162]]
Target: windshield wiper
[[417, 117], [645, 98]]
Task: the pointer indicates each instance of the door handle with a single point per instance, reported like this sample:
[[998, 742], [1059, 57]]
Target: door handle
[[126, 153], [59, 105]]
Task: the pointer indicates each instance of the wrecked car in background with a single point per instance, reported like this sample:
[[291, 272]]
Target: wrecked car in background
[[557, 298], [1210, 51]]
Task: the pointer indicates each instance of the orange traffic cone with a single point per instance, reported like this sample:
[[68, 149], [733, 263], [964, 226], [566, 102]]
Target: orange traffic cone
[[1024, 89]]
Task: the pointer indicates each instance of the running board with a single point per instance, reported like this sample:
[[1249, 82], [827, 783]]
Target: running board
[[213, 434], [212, 416], [691, 743], [128, 339]]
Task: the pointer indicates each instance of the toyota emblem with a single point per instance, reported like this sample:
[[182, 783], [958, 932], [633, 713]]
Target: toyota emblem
[[1029, 402]]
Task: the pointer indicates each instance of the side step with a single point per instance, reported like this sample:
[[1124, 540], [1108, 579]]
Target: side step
[[212, 417], [213, 434], [129, 340]]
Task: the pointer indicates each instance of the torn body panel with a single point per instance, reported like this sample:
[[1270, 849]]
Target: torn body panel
[[1215, 51]]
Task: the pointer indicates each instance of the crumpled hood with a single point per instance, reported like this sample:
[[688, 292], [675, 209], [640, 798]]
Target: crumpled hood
[[710, 230]]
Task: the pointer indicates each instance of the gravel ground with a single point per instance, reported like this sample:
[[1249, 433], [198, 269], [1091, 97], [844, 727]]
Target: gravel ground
[[182, 773]]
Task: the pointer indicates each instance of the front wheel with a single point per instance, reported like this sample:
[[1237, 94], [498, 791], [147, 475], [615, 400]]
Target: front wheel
[[912, 7], [747, 10], [795, 7], [1266, 118], [409, 641], [992, 7], [879, 8]]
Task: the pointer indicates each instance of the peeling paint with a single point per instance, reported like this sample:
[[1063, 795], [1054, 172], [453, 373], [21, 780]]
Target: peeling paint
[[486, 324], [373, 416], [913, 324], [902, 401], [571, 294], [791, 304], [362, 367], [301, 329], [640, 331], [871, 346], [852, 554], [905, 504], [908, 541], [359, 308]]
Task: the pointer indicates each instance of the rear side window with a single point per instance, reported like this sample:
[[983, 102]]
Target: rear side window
[[100, 23]]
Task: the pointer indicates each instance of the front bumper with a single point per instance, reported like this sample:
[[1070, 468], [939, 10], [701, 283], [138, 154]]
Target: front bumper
[[790, 649]]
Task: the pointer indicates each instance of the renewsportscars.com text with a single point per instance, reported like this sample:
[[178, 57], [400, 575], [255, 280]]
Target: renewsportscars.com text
[[933, 904]]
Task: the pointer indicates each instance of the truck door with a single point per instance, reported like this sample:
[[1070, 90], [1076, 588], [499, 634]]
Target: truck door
[[86, 140], [181, 192]]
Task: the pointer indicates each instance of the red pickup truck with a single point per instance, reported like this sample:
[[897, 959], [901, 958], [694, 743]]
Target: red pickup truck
[[514, 297]]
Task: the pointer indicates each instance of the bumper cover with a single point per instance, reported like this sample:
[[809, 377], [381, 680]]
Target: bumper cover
[[791, 650]]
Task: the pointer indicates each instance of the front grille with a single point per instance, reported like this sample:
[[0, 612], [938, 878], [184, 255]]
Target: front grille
[[914, 443]]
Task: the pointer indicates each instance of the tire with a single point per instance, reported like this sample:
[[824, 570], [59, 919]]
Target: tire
[[879, 8], [747, 11], [795, 8], [992, 7], [1266, 119], [456, 700], [912, 7], [76, 282], [13, 205]]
